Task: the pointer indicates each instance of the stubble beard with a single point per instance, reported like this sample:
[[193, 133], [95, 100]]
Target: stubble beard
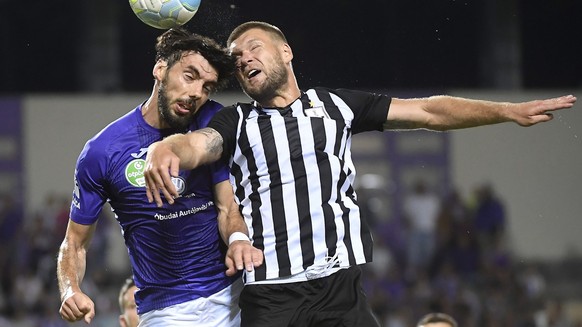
[[167, 116], [271, 85]]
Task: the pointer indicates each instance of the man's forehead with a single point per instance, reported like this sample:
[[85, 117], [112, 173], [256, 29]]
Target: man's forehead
[[249, 36], [197, 60]]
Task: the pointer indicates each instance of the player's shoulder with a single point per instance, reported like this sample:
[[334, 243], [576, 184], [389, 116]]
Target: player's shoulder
[[340, 92], [111, 133], [120, 124]]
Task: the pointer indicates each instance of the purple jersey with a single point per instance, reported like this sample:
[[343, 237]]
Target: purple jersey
[[175, 251]]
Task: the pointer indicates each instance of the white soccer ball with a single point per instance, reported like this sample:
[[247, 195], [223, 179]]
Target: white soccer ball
[[164, 14]]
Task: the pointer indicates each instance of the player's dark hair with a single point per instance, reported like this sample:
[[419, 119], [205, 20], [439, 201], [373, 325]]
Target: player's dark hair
[[269, 28], [127, 284], [437, 317], [175, 42]]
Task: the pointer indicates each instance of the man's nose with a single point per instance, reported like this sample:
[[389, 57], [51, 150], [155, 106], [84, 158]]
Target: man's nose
[[195, 90]]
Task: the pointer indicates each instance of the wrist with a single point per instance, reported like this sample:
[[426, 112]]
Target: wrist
[[237, 236], [67, 293]]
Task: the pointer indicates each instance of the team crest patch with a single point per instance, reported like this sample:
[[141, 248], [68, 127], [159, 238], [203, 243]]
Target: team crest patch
[[180, 184], [316, 112], [134, 173]]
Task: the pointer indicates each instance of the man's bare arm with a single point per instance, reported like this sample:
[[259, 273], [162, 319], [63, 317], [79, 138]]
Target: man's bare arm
[[71, 264], [442, 113], [178, 152]]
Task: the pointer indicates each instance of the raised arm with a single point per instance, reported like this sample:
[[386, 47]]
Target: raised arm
[[71, 264], [442, 113], [233, 230], [178, 152]]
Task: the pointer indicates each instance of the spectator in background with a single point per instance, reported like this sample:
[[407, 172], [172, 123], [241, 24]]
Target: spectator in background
[[437, 319], [489, 220], [533, 282], [454, 217], [10, 230], [552, 315], [421, 209], [128, 316]]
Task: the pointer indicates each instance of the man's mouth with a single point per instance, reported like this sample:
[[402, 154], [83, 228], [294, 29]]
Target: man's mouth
[[184, 108], [252, 73]]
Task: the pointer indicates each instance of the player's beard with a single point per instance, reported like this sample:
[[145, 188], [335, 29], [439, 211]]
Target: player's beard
[[168, 116], [275, 80]]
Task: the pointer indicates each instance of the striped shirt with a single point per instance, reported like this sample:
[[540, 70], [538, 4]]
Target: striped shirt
[[293, 176]]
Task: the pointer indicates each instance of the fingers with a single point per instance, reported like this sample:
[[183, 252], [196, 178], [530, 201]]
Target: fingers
[[563, 102], [158, 178], [77, 307], [67, 313], [236, 254], [242, 255], [230, 268], [568, 100], [542, 118], [257, 257], [90, 315], [149, 194], [539, 111]]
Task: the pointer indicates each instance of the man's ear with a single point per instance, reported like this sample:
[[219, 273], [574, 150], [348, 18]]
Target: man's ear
[[159, 70], [286, 52]]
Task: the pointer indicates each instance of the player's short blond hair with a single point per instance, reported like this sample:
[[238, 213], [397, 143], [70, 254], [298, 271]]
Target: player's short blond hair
[[269, 28]]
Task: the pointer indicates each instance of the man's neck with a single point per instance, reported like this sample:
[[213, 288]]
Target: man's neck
[[149, 111], [281, 99]]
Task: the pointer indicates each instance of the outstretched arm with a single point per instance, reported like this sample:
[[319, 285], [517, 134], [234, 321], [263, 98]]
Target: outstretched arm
[[442, 113], [71, 263], [233, 230], [178, 152]]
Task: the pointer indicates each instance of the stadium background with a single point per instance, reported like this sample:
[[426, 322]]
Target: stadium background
[[64, 79]]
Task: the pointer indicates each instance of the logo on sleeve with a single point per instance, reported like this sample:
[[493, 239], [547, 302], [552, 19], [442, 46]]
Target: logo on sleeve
[[76, 201], [134, 173]]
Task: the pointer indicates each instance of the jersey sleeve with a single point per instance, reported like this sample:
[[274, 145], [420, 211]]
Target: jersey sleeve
[[89, 193], [225, 123], [370, 109], [220, 172]]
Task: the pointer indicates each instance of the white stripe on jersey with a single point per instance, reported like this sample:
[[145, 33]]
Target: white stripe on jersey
[[350, 172], [313, 185], [287, 181], [245, 203]]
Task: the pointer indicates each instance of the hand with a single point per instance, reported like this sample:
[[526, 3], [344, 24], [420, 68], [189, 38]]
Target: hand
[[77, 306], [161, 164], [537, 111], [241, 255]]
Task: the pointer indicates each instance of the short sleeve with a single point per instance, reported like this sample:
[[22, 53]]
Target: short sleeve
[[370, 109], [225, 123], [89, 193]]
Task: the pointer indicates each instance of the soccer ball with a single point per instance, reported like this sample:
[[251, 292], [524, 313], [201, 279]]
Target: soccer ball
[[164, 14]]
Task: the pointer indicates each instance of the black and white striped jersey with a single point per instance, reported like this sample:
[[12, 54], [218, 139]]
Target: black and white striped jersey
[[293, 176]]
